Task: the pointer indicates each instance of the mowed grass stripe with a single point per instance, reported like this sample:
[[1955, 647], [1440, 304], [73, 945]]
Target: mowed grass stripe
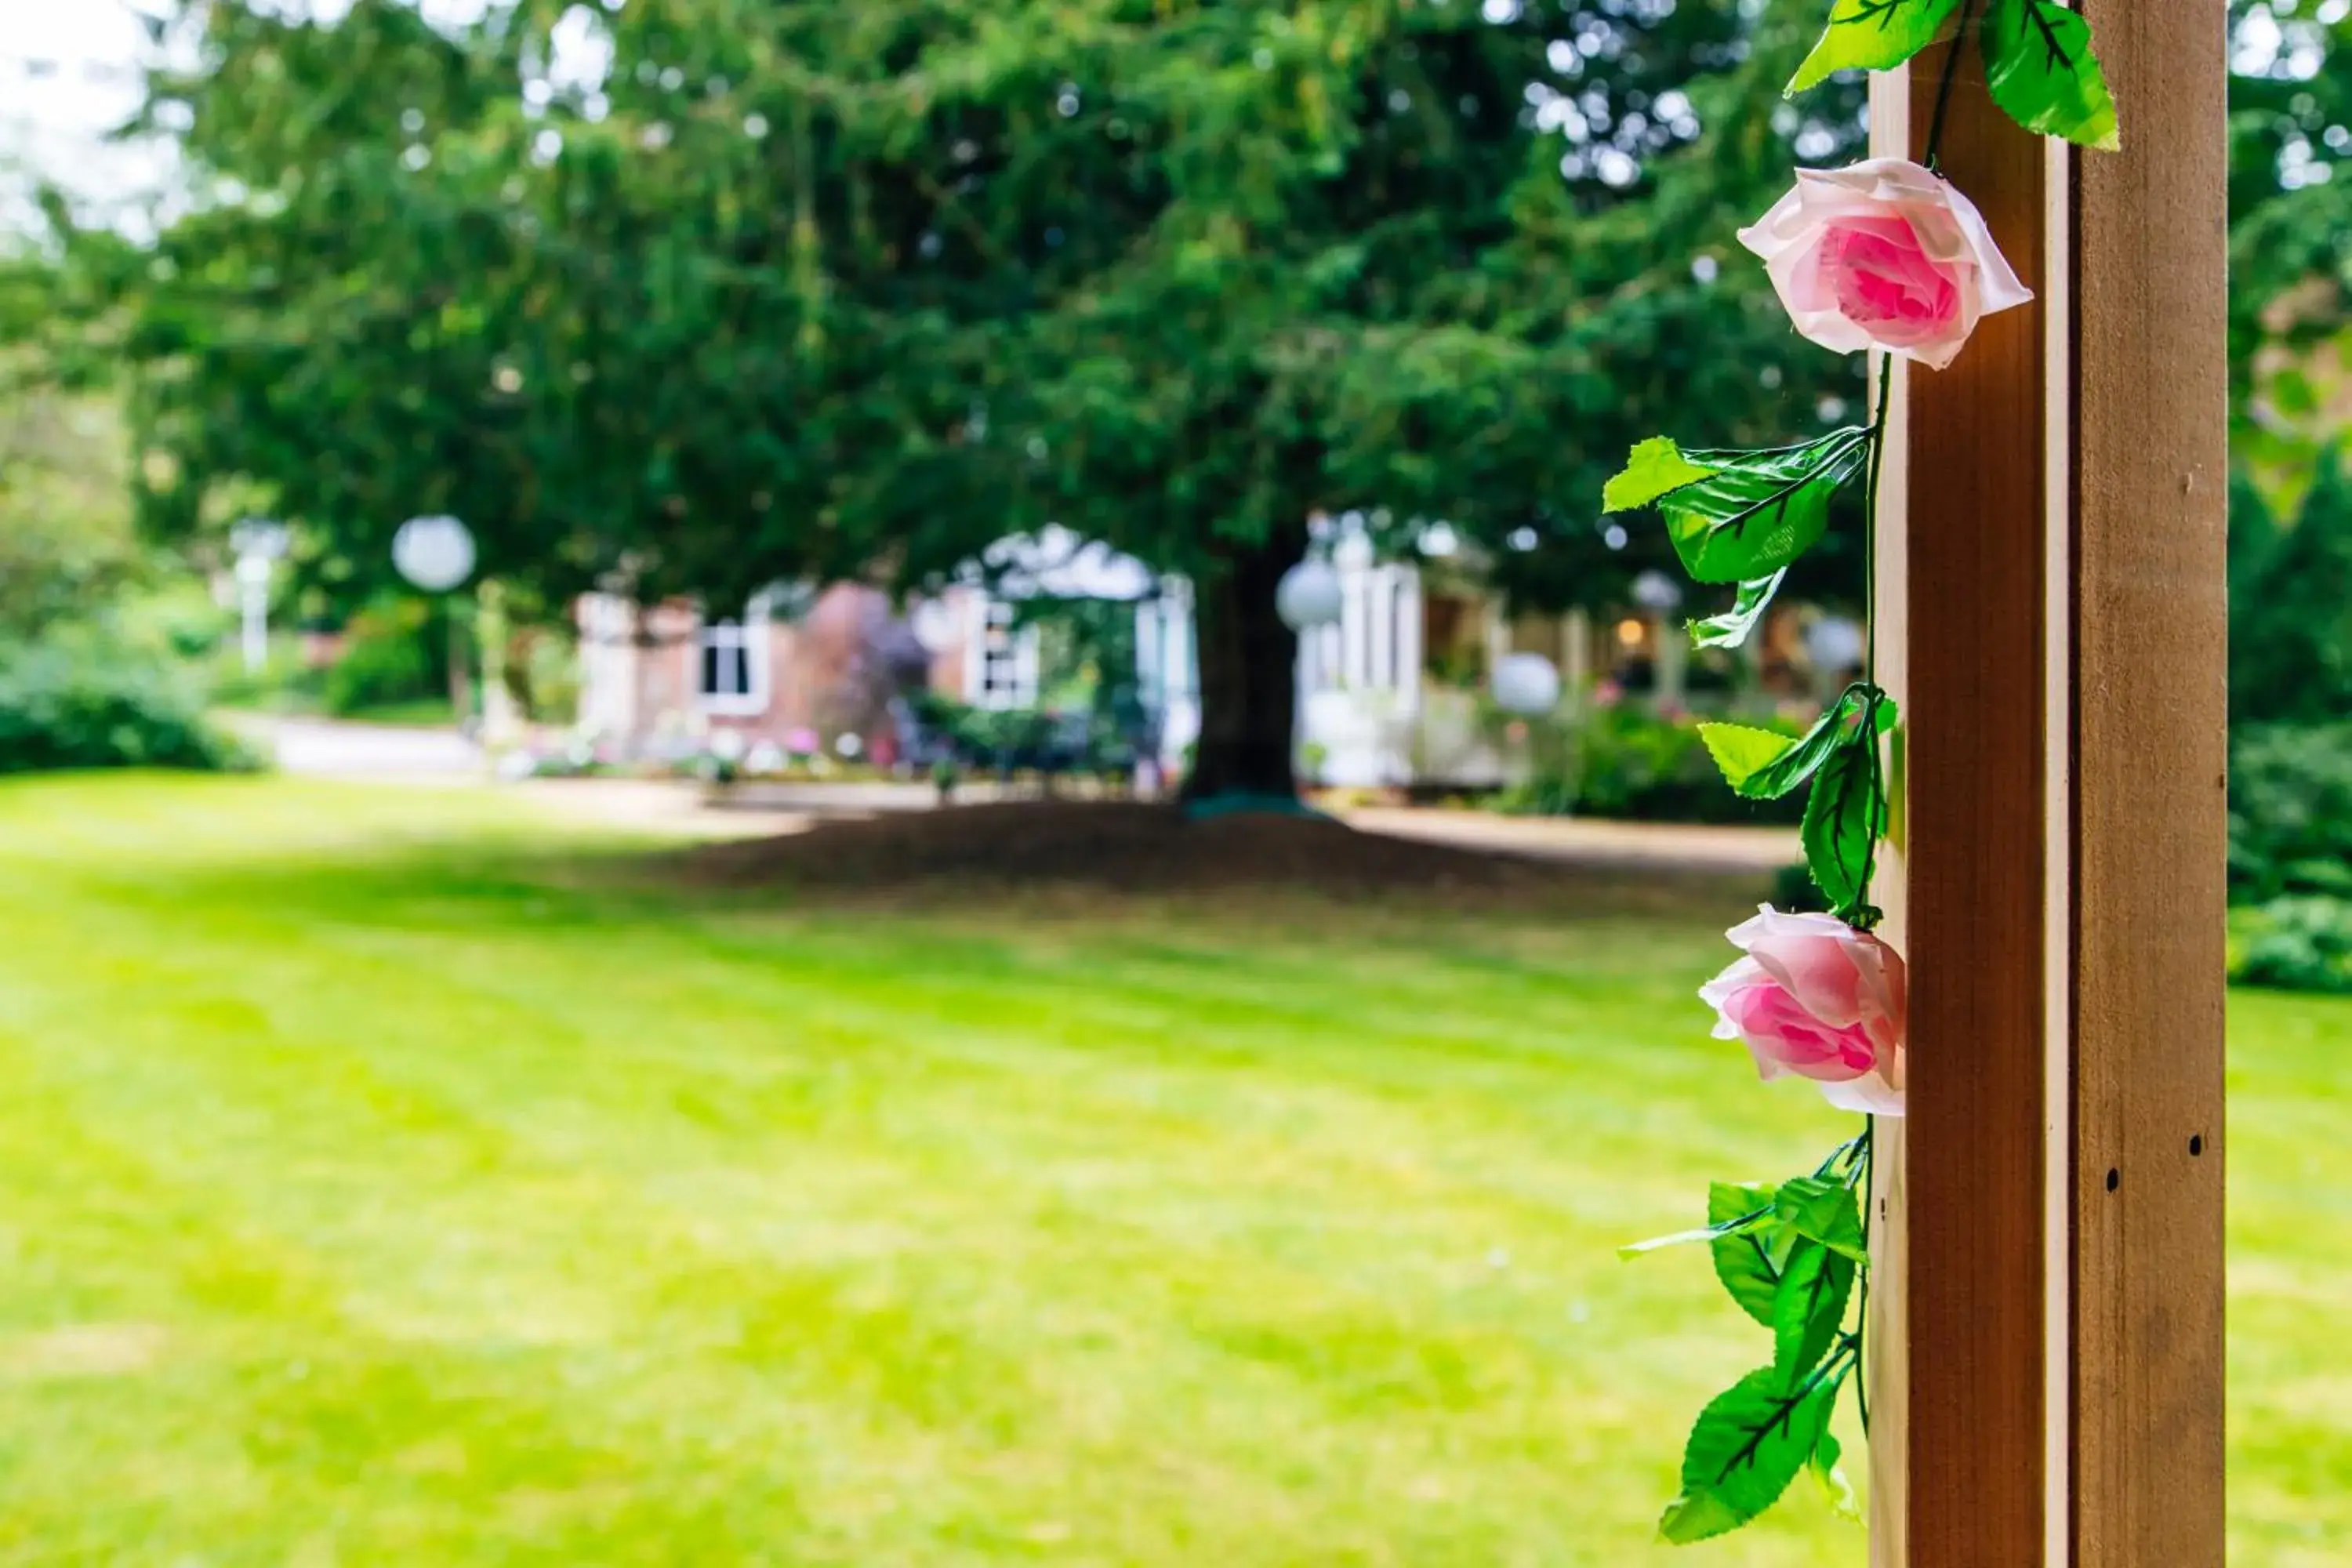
[[394, 1176]]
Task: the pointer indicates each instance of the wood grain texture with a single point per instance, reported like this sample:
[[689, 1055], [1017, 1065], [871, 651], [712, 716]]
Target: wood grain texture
[[2151, 629], [1977, 537], [1888, 1371]]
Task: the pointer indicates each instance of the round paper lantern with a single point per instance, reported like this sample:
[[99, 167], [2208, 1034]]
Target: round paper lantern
[[1657, 591], [435, 553], [1836, 645], [1308, 595], [1527, 683]]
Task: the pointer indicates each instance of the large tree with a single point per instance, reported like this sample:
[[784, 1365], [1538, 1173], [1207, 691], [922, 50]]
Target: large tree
[[1201, 272], [705, 293]]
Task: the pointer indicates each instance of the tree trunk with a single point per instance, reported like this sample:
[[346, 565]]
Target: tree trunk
[[1249, 677]]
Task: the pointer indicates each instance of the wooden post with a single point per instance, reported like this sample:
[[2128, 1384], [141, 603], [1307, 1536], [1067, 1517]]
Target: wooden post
[[2151, 632], [2049, 1374], [1888, 1371]]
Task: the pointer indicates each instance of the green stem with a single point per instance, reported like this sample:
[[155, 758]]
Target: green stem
[[1944, 89], [1861, 1322], [1851, 1147], [1870, 485]]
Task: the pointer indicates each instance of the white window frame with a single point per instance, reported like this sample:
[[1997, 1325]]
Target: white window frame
[[1009, 681], [748, 637]]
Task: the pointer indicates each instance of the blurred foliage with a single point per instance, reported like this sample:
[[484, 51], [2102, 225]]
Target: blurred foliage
[[2291, 743], [390, 655], [67, 545], [2290, 226], [1010, 741], [83, 700], [1624, 761], [286, 682], [2291, 591], [1794, 891], [2291, 811], [2292, 945]]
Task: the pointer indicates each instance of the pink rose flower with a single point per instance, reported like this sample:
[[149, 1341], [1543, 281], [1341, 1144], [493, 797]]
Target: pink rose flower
[[1815, 997], [1884, 255]]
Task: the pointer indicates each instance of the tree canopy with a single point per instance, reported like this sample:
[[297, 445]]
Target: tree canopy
[[2290, 228], [705, 293], [2291, 639]]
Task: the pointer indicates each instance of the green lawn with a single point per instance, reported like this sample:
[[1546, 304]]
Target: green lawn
[[385, 1178]]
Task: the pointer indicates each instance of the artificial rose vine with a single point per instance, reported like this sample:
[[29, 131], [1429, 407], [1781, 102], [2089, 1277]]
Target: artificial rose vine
[[1882, 256]]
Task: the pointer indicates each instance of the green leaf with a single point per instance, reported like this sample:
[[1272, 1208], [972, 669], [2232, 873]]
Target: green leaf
[[1870, 35], [1843, 817], [1824, 1211], [1736, 625], [2041, 70], [1656, 467], [1761, 765], [1748, 1262], [1831, 1476], [1757, 511], [1809, 1310], [1745, 1449], [1743, 752]]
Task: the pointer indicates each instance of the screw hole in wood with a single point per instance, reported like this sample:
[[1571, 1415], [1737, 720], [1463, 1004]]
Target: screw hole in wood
[[2115, 1180], [2196, 1144]]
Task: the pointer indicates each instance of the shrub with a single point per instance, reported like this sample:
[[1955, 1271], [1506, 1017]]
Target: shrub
[[385, 660], [2291, 856], [81, 703], [1629, 763], [2291, 619], [2291, 811], [2294, 944], [283, 684]]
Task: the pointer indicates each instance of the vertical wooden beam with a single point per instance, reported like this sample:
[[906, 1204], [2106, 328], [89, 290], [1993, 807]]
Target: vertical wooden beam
[[1978, 538], [2150, 648], [1887, 1334], [2050, 1376]]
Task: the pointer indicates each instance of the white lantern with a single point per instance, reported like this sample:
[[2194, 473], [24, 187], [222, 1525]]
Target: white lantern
[[1834, 645], [435, 553], [1657, 591], [1527, 683], [933, 624], [1308, 596]]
